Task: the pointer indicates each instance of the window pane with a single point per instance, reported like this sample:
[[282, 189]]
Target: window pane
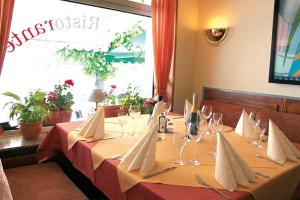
[[53, 25]]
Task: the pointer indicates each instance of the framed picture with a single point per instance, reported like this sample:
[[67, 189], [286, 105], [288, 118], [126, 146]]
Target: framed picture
[[285, 53]]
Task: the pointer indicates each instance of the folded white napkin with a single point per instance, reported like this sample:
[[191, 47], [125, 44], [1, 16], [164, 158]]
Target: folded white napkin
[[187, 110], [94, 126], [142, 155], [157, 110], [230, 169], [243, 126], [279, 146]]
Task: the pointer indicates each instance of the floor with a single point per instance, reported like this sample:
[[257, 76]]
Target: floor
[[15, 151]]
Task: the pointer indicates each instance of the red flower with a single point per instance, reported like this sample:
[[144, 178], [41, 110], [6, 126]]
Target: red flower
[[51, 96], [113, 86], [69, 82]]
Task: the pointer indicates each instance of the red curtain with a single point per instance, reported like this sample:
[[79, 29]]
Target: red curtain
[[6, 10], [164, 29]]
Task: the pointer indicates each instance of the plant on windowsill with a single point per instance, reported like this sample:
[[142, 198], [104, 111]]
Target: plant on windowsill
[[60, 101], [130, 97], [148, 106], [99, 63], [30, 112]]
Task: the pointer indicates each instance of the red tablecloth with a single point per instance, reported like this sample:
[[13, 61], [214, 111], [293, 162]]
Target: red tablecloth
[[105, 177]]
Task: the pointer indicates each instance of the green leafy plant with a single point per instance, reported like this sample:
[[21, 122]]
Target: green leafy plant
[[130, 97], [61, 98], [148, 105], [32, 109], [99, 63]]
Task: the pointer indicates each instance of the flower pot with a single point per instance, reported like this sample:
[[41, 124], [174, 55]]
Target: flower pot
[[111, 111], [58, 117], [30, 131]]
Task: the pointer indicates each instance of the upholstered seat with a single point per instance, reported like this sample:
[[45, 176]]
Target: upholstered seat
[[41, 181]]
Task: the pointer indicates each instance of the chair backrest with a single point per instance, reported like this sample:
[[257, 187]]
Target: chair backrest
[[288, 123], [231, 112]]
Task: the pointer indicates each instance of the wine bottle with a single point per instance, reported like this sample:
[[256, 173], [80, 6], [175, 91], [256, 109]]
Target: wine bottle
[[161, 120], [194, 120]]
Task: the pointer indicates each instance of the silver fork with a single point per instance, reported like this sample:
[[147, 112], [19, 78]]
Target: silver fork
[[202, 182]]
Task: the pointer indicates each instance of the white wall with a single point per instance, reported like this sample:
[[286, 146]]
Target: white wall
[[242, 63]]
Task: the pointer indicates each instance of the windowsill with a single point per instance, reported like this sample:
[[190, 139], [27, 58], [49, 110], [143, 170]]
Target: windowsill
[[12, 141]]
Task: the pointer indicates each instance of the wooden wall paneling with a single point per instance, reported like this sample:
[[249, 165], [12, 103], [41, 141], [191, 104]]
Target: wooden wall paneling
[[292, 106], [244, 99], [287, 122]]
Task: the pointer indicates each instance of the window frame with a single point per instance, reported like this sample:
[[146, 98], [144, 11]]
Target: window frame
[[118, 5]]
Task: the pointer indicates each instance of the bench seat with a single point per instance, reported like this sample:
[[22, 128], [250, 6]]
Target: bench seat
[[42, 181]]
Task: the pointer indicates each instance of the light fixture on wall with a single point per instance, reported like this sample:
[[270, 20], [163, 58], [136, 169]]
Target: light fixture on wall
[[216, 36]]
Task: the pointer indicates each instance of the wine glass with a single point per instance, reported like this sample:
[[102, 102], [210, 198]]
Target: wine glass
[[168, 106], [135, 113], [192, 131], [262, 128], [123, 120], [252, 120], [179, 141], [206, 112], [217, 117], [215, 126]]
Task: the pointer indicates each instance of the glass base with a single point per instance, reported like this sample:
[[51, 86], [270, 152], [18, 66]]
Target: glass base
[[194, 162], [134, 133], [213, 154], [180, 162], [251, 142]]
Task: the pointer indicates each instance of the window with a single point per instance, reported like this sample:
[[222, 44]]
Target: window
[[39, 31]]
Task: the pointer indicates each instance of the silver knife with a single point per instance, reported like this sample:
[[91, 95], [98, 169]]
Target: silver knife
[[118, 156], [159, 172], [202, 182], [262, 175], [105, 138]]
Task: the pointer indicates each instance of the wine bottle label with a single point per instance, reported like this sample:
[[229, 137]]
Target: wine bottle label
[[161, 124]]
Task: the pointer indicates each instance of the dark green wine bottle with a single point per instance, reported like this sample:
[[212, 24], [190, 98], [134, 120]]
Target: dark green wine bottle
[[194, 120]]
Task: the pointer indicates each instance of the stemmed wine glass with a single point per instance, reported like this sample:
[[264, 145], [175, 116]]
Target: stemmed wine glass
[[123, 120], [192, 130], [135, 113], [262, 128], [206, 113], [217, 117], [252, 121], [215, 125], [179, 141]]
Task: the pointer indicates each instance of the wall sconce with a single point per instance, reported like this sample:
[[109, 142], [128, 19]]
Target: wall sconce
[[216, 36]]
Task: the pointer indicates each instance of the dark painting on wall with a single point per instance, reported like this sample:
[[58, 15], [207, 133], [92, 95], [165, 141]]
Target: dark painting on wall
[[285, 55]]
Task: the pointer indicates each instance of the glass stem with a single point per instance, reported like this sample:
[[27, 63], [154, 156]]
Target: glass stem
[[194, 154], [180, 152]]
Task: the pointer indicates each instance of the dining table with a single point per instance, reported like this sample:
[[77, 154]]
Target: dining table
[[105, 176]]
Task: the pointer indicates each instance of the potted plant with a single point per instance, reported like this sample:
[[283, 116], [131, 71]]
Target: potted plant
[[30, 113], [130, 97], [111, 109], [60, 102], [148, 106]]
